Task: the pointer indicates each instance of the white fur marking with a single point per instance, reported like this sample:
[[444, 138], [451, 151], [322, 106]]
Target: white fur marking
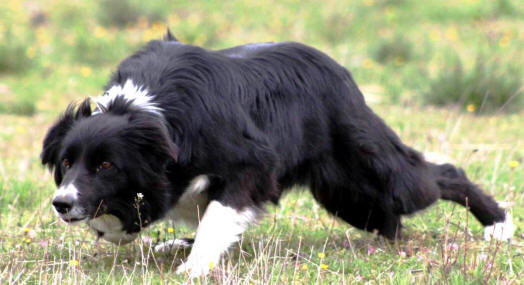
[[500, 231], [111, 227], [198, 184], [172, 245], [138, 95], [191, 205], [76, 212], [220, 227], [67, 190]]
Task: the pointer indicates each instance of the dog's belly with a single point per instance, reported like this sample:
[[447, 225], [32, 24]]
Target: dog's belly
[[191, 206]]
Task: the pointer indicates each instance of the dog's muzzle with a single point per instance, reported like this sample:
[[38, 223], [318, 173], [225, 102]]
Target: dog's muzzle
[[66, 205]]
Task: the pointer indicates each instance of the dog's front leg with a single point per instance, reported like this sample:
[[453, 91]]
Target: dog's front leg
[[220, 227]]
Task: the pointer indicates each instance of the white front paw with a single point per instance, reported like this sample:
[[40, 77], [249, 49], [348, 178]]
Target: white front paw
[[195, 268]]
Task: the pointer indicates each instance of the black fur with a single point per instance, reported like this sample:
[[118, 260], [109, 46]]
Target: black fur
[[257, 119]]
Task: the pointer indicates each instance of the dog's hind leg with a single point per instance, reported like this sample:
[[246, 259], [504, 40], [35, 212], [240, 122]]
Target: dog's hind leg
[[361, 214], [374, 218], [350, 199], [455, 186]]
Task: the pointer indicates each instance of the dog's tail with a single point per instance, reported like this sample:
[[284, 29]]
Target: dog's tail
[[455, 186]]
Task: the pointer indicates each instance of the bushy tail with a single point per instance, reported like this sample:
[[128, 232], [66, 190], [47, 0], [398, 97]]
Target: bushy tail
[[455, 186]]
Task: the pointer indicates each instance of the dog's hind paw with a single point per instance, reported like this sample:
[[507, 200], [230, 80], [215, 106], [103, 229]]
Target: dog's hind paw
[[174, 244], [500, 231]]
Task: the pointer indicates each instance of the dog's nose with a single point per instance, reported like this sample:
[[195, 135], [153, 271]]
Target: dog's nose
[[63, 203]]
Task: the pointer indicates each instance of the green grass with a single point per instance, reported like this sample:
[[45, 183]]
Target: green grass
[[71, 53], [397, 50], [493, 84], [442, 243]]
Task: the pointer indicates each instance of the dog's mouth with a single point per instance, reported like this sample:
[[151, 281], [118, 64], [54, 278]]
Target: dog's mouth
[[73, 220], [74, 216]]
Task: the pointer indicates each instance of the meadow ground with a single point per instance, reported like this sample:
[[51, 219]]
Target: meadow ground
[[54, 52]]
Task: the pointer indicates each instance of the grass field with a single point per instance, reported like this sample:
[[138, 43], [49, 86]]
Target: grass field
[[401, 53]]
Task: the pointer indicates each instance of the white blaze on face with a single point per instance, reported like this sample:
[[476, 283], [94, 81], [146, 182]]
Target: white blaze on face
[[138, 95], [67, 191], [220, 227], [69, 194]]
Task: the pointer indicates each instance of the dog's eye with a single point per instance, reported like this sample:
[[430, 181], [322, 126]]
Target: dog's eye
[[105, 165], [66, 163]]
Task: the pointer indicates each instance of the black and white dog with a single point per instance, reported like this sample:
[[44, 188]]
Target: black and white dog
[[210, 137]]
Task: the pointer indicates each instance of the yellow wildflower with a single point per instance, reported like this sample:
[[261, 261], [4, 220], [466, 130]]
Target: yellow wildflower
[[367, 63], [73, 262], [85, 71], [158, 27], [323, 266], [31, 52], [304, 267], [26, 230], [505, 41], [42, 36], [434, 35], [513, 164], [321, 255], [452, 34], [170, 230], [211, 265], [100, 32], [471, 108]]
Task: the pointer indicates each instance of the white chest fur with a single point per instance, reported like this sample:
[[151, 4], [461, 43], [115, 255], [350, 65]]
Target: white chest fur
[[191, 206]]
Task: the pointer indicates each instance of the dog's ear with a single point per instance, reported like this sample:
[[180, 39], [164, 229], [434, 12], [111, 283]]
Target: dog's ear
[[55, 135], [169, 37], [151, 138], [84, 109]]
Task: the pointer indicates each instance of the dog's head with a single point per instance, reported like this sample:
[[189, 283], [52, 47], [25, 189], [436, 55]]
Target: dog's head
[[109, 167]]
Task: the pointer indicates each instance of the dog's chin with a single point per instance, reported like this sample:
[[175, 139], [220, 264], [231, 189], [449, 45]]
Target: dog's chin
[[109, 227]]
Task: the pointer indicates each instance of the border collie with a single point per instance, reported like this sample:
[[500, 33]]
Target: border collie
[[210, 137]]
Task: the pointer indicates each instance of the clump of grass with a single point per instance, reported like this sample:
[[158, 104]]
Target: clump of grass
[[90, 50], [490, 86], [337, 27], [117, 13], [19, 97], [14, 55], [122, 13], [19, 107], [16, 41], [397, 50], [385, 3], [504, 8], [19, 104]]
